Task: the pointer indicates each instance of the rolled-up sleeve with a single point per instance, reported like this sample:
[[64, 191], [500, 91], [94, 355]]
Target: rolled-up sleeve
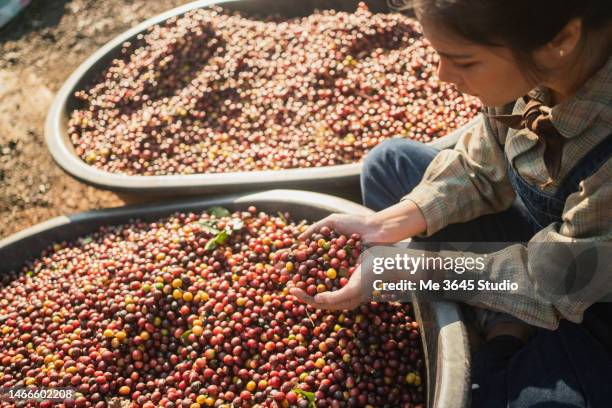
[[466, 182]]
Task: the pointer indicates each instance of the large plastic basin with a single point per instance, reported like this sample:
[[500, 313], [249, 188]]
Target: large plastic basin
[[318, 179], [444, 334]]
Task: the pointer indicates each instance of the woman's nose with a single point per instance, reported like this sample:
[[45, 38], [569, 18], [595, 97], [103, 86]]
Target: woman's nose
[[446, 74]]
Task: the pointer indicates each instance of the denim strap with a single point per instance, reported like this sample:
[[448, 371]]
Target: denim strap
[[545, 208]]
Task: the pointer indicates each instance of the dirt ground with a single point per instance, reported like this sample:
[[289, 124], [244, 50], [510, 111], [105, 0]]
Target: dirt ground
[[38, 51]]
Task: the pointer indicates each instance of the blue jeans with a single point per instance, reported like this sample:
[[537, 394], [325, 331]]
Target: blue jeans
[[562, 368]]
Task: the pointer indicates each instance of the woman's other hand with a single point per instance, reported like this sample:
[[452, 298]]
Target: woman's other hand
[[345, 298]]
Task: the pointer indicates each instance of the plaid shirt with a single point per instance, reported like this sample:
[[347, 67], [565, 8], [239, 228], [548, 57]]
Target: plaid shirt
[[471, 180]]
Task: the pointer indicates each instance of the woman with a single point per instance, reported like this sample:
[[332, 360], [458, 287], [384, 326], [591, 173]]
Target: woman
[[538, 169]]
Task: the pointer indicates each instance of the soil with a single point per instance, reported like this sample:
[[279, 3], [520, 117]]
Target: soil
[[38, 51]]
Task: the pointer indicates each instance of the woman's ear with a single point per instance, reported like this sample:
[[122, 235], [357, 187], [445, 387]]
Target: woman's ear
[[566, 41]]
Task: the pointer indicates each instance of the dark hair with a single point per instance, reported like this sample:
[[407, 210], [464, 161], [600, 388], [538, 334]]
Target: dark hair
[[521, 25]]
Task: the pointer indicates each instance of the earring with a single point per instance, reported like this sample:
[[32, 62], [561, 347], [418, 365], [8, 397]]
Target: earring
[[561, 53]]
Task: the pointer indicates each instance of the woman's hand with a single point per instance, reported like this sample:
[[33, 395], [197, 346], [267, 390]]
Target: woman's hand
[[400, 221], [347, 224], [345, 298], [349, 296], [403, 220]]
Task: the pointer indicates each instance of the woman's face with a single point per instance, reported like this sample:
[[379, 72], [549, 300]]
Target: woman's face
[[489, 73]]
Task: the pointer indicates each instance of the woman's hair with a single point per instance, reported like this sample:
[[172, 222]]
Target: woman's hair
[[521, 25]]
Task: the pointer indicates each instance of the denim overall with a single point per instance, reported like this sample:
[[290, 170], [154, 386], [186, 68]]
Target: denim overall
[[567, 367], [586, 347], [544, 209]]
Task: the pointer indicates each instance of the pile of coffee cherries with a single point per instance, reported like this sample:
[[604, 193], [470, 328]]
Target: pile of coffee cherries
[[324, 261], [213, 92], [193, 311]]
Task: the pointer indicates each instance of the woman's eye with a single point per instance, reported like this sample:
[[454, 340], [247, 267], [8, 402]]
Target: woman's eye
[[465, 65]]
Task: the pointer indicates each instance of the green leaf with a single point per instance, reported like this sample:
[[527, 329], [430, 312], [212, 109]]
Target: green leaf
[[348, 249], [210, 245], [222, 237], [185, 335], [219, 212], [310, 396], [219, 239], [282, 217]]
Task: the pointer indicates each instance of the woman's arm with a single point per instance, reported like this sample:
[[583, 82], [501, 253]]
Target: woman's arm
[[563, 269], [393, 224]]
